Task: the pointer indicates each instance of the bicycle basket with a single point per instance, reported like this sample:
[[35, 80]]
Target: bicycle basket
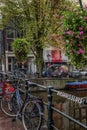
[[8, 92]]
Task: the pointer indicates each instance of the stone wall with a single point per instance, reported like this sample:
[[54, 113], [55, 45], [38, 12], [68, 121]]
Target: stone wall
[[57, 83]]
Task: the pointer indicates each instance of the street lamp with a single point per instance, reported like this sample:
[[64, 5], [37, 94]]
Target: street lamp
[[48, 57]]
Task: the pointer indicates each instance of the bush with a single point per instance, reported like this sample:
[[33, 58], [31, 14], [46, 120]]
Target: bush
[[20, 49]]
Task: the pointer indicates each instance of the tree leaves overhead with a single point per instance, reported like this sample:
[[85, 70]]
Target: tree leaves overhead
[[38, 19]]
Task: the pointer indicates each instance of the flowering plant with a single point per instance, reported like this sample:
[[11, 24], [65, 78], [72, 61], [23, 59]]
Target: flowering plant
[[75, 36]]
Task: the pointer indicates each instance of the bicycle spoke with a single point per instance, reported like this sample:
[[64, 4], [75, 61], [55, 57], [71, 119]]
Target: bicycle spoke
[[31, 116]]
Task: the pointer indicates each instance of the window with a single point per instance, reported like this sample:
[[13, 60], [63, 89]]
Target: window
[[9, 45], [9, 64], [10, 33], [19, 34]]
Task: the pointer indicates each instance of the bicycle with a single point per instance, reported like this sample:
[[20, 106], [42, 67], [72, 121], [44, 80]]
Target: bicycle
[[30, 110], [33, 110], [7, 97]]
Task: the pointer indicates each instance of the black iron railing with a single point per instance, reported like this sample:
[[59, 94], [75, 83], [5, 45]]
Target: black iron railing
[[50, 108]]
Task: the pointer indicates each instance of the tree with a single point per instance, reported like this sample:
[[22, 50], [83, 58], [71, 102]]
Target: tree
[[39, 20]]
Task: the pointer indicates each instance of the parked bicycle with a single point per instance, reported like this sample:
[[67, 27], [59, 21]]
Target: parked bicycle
[[30, 109]]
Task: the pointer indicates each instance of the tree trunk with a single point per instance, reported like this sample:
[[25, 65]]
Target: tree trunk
[[39, 61]]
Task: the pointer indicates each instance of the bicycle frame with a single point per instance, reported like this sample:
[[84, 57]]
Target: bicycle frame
[[28, 97], [19, 100]]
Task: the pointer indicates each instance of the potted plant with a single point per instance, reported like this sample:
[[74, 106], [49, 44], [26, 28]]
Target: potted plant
[[21, 49], [75, 36]]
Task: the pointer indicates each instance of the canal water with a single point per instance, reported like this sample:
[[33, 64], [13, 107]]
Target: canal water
[[71, 108]]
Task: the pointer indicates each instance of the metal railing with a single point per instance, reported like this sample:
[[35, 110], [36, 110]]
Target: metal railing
[[50, 108]]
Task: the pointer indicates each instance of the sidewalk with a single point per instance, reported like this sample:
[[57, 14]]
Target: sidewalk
[[6, 123]]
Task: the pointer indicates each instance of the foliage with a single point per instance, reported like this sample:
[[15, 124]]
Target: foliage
[[58, 20], [21, 49], [75, 36], [39, 20]]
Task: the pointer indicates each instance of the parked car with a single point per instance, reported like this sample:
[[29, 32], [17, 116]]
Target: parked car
[[63, 74], [75, 74], [55, 70], [83, 72], [48, 72]]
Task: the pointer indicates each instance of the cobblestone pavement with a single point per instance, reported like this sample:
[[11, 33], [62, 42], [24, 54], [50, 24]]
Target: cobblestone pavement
[[6, 123]]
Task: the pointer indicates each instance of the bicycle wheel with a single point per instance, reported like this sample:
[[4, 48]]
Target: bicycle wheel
[[9, 105], [31, 116]]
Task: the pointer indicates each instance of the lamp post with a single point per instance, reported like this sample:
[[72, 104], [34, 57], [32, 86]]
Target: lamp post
[[48, 58], [80, 2]]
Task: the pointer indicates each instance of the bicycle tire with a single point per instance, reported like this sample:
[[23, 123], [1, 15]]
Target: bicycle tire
[[31, 116], [10, 107]]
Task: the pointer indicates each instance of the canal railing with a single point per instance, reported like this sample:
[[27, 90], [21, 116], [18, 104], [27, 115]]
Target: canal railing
[[50, 108]]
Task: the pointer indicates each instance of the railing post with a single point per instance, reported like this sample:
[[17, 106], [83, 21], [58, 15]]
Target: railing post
[[50, 111]]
